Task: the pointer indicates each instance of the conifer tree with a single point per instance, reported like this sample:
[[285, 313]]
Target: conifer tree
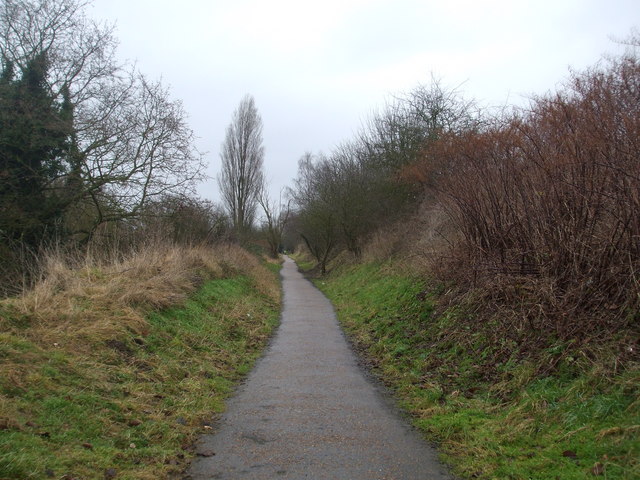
[[34, 138]]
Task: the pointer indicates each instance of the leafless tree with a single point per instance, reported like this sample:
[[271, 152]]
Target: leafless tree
[[241, 179], [276, 216], [400, 134], [341, 199], [141, 150], [316, 216]]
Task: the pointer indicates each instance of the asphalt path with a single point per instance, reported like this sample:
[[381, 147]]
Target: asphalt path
[[308, 410]]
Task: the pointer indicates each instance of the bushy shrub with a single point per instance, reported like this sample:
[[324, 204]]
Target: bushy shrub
[[552, 195]]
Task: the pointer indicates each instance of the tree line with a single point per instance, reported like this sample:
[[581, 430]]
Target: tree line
[[342, 198], [93, 153], [543, 199]]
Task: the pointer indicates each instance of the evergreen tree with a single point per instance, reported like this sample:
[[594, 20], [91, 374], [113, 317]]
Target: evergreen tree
[[34, 144]]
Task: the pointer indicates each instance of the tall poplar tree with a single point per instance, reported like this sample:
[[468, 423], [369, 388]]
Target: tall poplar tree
[[242, 177]]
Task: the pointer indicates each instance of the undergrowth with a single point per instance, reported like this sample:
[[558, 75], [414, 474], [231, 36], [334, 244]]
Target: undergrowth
[[111, 371], [498, 410]]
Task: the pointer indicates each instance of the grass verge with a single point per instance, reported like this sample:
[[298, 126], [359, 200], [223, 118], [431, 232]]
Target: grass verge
[[120, 381], [495, 412]]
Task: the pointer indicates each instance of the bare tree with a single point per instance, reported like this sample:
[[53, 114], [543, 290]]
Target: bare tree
[[341, 199], [276, 216], [316, 217], [399, 135], [142, 150], [241, 179]]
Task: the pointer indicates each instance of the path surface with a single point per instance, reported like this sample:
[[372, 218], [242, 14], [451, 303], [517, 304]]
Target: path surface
[[308, 411]]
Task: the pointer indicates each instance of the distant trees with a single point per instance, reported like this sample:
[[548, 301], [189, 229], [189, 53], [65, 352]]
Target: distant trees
[[276, 218], [241, 179], [315, 221], [341, 199]]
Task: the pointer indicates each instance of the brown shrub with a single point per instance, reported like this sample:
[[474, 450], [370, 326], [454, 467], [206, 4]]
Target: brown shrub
[[551, 197]]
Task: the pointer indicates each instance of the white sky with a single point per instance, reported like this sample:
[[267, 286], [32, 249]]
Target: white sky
[[317, 69]]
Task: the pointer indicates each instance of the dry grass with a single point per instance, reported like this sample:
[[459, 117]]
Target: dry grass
[[388, 242], [78, 306]]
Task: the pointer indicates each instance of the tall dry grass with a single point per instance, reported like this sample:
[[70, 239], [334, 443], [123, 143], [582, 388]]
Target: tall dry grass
[[84, 299]]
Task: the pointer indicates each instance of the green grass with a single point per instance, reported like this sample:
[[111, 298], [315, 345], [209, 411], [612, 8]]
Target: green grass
[[493, 410], [136, 404], [305, 263], [274, 266]]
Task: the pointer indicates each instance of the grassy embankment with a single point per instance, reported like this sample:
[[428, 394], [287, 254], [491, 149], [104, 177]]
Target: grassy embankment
[[111, 371], [497, 411]]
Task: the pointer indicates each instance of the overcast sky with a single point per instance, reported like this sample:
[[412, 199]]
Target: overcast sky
[[317, 69]]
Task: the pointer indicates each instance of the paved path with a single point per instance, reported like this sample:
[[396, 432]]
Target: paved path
[[308, 411]]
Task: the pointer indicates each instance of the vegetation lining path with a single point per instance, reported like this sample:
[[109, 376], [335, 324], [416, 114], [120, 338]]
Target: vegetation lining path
[[108, 371], [307, 410], [496, 408]]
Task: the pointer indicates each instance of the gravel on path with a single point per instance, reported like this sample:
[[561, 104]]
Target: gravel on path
[[308, 411]]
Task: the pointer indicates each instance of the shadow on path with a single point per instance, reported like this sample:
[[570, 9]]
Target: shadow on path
[[308, 411]]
